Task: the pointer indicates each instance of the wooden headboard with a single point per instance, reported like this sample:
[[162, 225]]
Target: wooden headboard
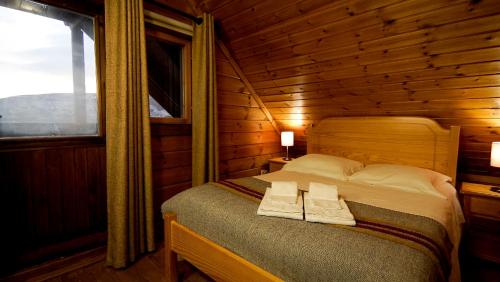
[[412, 141]]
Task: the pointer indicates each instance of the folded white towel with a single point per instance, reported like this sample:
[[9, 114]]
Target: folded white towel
[[324, 195], [315, 213], [326, 204], [284, 191], [320, 191], [298, 216], [268, 207]]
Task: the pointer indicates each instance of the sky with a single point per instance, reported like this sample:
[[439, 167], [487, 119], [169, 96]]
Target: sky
[[35, 55]]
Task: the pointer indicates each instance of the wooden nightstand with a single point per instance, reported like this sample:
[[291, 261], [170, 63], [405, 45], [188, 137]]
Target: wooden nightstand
[[482, 213], [276, 164]]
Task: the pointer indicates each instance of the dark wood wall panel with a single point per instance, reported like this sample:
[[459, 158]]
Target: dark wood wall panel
[[309, 60], [247, 139], [52, 201], [171, 157]]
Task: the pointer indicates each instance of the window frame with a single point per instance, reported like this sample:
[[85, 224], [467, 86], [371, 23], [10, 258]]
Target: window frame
[[185, 44], [14, 142]]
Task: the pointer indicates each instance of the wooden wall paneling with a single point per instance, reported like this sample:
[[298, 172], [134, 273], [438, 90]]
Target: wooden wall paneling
[[211, 5], [247, 137], [244, 126], [437, 59], [240, 151], [252, 20], [69, 205], [347, 28], [54, 187], [171, 160], [179, 5], [102, 213], [240, 113], [329, 37], [82, 193], [315, 53], [53, 201], [229, 8], [7, 177], [96, 187], [247, 84]]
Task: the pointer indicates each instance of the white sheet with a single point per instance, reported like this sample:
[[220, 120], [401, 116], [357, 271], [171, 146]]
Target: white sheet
[[447, 210]]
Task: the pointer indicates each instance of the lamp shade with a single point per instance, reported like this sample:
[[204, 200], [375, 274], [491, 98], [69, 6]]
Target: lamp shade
[[287, 138], [495, 154]]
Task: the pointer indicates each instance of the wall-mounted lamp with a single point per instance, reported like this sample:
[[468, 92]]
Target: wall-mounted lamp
[[287, 140]]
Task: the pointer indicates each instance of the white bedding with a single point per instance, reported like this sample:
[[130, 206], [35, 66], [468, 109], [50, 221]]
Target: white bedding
[[445, 210]]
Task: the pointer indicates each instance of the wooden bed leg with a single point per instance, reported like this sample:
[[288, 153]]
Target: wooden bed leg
[[170, 256]]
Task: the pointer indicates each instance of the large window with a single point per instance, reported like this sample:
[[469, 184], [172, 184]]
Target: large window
[[47, 71], [168, 59]]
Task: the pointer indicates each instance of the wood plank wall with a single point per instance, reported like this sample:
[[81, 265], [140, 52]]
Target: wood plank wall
[[246, 137], [53, 196], [311, 59], [53, 193], [52, 201], [171, 157]]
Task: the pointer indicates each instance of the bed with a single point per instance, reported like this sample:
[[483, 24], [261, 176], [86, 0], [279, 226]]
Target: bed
[[399, 236]]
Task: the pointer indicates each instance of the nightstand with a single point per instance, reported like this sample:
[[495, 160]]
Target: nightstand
[[276, 164], [482, 213]]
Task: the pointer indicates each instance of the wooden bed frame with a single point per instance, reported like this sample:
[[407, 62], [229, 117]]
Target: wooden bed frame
[[399, 140]]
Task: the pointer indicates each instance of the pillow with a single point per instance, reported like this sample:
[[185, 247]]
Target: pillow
[[324, 165], [408, 178]]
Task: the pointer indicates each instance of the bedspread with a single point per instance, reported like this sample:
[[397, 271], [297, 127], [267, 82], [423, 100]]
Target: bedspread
[[385, 245]]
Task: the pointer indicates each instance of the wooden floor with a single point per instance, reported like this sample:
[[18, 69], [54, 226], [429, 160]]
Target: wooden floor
[[92, 268]]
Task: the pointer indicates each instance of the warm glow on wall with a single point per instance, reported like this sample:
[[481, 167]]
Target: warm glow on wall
[[495, 154], [296, 122]]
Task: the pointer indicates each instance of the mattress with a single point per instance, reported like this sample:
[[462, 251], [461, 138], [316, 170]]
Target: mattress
[[391, 241]]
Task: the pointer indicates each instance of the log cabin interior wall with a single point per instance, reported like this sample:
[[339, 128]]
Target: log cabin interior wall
[[171, 157], [306, 59], [247, 138], [311, 59], [52, 201], [53, 192]]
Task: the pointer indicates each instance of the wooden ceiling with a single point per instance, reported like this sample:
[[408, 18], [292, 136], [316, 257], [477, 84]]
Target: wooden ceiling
[[310, 59]]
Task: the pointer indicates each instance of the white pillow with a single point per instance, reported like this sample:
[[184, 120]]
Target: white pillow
[[324, 165], [408, 178]]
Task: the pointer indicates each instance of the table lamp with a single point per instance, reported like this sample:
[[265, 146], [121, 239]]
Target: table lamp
[[495, 160], [287, 140]]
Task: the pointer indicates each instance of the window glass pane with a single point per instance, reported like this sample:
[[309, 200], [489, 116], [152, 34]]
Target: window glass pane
[[47, 71], [165, 78]]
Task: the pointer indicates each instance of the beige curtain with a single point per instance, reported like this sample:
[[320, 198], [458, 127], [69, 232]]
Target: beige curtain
[[204, 105], [128, 144]]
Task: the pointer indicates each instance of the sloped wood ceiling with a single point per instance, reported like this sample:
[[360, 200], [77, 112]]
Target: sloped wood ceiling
[[310, 59]]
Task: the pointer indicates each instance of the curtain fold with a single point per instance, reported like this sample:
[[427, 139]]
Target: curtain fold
[[128, 144], [204, 103]]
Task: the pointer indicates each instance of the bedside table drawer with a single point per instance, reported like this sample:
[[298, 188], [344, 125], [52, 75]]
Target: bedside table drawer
[[485, 206]]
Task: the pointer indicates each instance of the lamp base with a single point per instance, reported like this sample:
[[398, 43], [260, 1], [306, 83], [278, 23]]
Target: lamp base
[[287, 159], [495, 189]]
